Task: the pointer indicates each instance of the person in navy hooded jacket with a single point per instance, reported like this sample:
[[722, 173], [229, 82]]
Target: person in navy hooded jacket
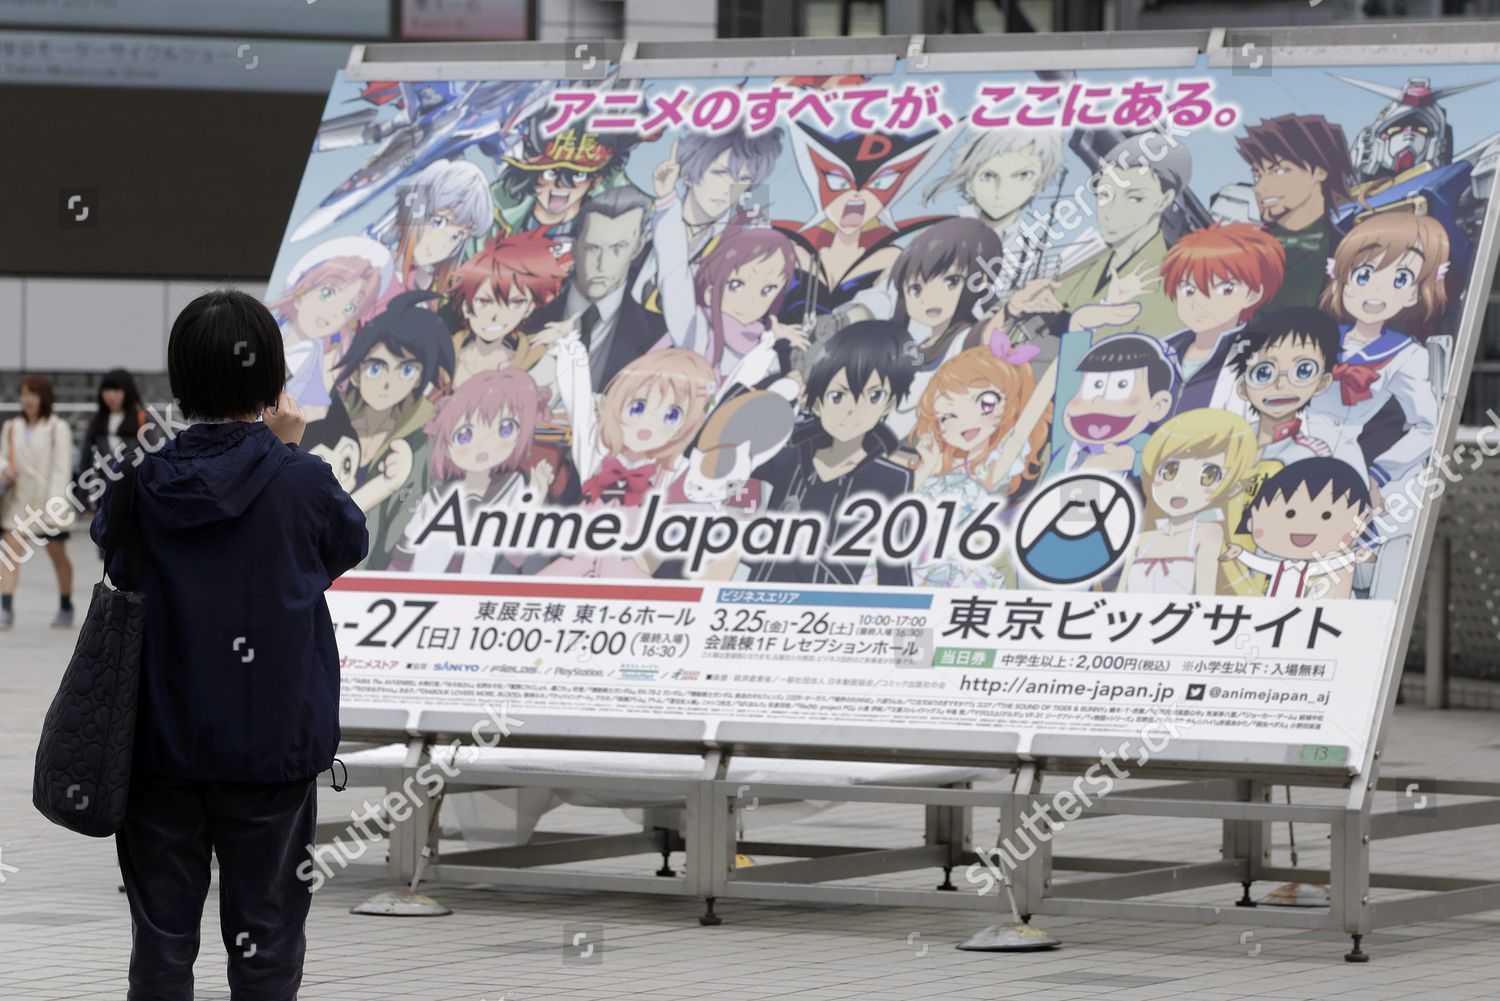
[[238, 533]]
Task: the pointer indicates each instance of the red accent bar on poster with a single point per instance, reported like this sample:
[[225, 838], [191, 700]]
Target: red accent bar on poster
[[510, 589]]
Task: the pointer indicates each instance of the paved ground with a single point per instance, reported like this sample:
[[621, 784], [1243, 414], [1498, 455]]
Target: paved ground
[[64, 929]]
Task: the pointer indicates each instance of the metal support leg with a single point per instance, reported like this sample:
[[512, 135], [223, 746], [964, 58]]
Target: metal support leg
[[1349, 888], [1435, 677], [409, 838], [720, 836], [413, 842], [1246, 839], [950, 827], [696, 828], [1024, 864], [666, 853], [430, 842], [1014, 808]]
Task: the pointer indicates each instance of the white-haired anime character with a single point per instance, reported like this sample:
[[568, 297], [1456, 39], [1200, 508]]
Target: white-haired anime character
[[437, 210], [332, 288], [998, 173]]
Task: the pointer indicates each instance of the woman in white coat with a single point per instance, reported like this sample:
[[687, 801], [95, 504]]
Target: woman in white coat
[[36, 462]]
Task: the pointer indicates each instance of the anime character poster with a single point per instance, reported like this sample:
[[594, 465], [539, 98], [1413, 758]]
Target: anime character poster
[[822, 331], [1162, 334]]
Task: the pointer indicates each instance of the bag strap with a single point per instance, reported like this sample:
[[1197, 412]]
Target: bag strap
[[118, 533]]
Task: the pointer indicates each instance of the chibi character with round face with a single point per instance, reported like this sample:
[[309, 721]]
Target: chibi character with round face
[[1309, 525], [971, 449], [1196, 466], [1115, 393]]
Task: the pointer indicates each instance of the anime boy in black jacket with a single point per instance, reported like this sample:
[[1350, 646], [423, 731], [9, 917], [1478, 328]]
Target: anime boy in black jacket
[[843, 449]]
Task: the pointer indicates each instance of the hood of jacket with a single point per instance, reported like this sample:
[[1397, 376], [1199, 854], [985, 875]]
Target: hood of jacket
[[209, 474]]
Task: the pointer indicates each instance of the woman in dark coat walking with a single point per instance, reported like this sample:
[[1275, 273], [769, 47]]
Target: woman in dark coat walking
[[115, 429]]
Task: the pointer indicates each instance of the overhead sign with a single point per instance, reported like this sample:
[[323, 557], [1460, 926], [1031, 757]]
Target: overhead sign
[[825, 369], [332, 18], [464, 20], [176, 62]]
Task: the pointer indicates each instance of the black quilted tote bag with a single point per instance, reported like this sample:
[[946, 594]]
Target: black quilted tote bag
[[82, 773]]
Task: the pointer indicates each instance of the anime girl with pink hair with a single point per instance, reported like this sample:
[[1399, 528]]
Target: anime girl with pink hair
[[330, 291], [484, 457]]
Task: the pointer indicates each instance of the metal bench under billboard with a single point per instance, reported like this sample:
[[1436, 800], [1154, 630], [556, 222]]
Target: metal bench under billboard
[[960, 402]]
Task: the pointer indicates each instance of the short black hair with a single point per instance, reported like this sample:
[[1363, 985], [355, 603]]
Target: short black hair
[[1128, 352], [1299, 324], [224, 356], [879, 346], [331, 429], [406, 329], [1316, 474]]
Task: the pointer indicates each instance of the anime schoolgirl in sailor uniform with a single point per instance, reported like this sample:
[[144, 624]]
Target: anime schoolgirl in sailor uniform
[[1387, 286]]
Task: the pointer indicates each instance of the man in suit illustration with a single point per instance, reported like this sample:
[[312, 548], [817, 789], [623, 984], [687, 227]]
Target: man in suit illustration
[[611, 238]]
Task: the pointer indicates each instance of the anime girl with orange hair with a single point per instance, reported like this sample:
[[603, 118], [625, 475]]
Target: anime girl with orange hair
[[981, 431], [1386, 291]]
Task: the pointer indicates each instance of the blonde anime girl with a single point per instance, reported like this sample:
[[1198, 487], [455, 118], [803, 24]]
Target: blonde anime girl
[[1196, 468]]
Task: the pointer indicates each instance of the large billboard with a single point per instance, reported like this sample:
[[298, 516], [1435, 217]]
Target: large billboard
[[1028, 402]]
